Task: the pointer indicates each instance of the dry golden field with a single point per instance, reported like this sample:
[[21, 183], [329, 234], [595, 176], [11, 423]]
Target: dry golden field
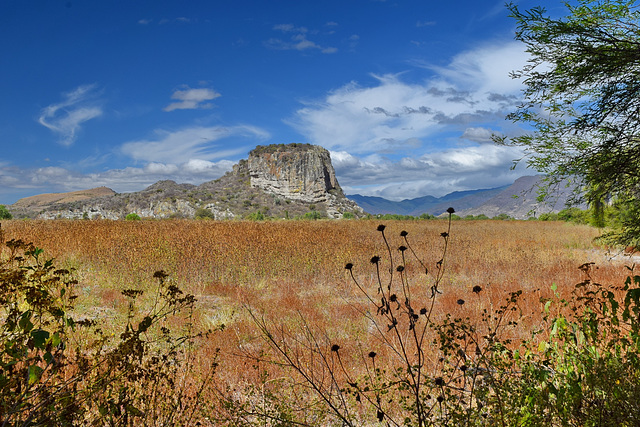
[[292, 275]]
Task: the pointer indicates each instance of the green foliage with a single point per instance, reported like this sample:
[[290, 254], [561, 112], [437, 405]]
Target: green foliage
[[348, 215], [575, 215], [4, 213], [582, 86], [476, 217], [256, 216], [58, 370], [202, 213], [132, 217], [313, 215], [548, 216], [502, 217], [273, 148], [586, 371]]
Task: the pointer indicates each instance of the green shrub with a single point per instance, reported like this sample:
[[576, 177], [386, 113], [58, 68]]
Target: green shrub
[[502, 217], [348, 215], [202, 213], [132, 217], [313, 215], [59, 370], [549, 216], [256, 216], [4, 213]]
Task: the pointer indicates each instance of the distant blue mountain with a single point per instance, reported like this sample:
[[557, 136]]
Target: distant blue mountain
[[459, 200], [518, 200]]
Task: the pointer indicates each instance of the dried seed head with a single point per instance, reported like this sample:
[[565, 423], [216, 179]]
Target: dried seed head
[[423, 311], [381, 227], [402, 248], [372, 354], [451, 210], [403, 233], [335, 348], [348, 266], [393, 298], [440, 399], [477, 289], [439, 381], [400, 268], [460, 301], [375, 259]]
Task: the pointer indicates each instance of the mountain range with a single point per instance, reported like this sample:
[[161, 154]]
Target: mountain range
[[518, 200], [282, 181]]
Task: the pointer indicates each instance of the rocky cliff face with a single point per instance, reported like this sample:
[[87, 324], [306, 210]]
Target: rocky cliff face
[[300, 172], [296, 171], [280, 181]]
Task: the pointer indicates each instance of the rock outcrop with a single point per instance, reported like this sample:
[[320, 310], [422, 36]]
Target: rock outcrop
[[296, 171], [280, 181], [299, 172]]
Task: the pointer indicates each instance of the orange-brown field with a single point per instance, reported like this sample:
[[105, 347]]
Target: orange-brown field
[[293, 272]]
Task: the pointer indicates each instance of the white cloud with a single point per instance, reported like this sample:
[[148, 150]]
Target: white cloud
[[66, 118], [478, 134], [400, 139], [475, 89], [190, 143], [19, 182], [486, 69], [436, 174], [297, 40], [191, 99]]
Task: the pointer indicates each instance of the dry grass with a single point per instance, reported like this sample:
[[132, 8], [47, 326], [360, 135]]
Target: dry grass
[[294, 270]]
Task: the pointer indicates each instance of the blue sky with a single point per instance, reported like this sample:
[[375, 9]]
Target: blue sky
[[404, 94]]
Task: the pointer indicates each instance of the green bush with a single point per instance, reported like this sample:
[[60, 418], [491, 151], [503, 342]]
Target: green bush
[[60, 370], [4, 213], [202, 213], [132, 217], [313, 215], [256, 216]]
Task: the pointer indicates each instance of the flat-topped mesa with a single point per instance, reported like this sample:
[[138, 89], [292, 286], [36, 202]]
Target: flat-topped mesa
[[296, 171]]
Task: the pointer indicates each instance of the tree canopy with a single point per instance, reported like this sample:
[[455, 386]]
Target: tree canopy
[[4, 213], [582, 100]]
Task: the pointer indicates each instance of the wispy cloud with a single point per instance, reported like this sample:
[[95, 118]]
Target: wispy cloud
[[194, 143], [400, 139], [66, 117], [435, 173], [297, 40], [192, 99], [61, 179], [421, 24], [473, 90]]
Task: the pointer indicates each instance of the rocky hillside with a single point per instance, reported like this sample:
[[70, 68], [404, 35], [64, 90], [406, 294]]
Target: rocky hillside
[[282, 181], [520, 201]]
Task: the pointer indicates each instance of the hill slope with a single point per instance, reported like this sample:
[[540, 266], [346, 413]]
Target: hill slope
[[276, 180]]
